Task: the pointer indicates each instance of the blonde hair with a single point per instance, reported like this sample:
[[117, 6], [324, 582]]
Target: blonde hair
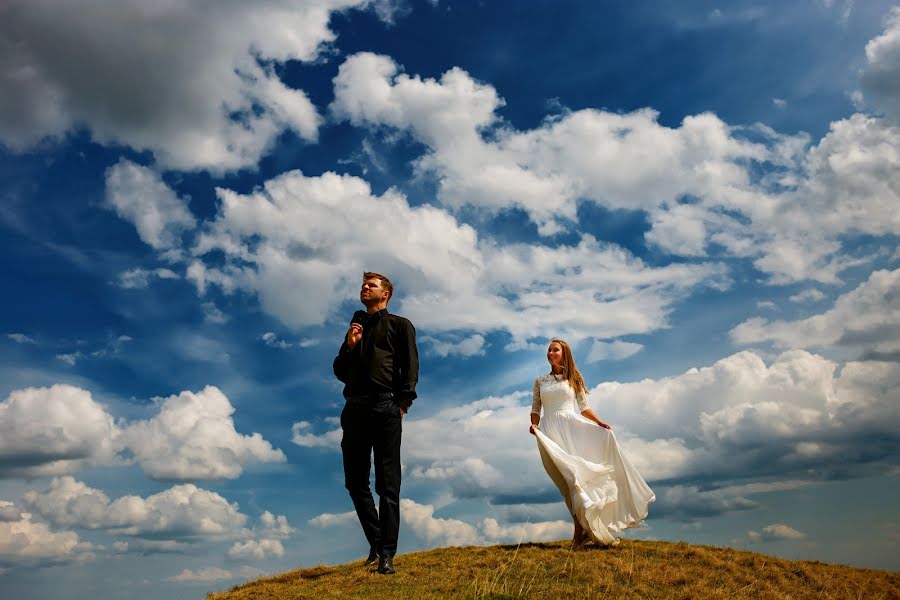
[[570, 370]]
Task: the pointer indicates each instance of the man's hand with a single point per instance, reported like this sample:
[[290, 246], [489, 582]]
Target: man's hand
[[532, 429], [402, 411], [354, 334]]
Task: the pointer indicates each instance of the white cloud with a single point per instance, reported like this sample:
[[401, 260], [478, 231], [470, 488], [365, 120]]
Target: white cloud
[[24, 543], [138, 278], [193, 437], [434, 531], [141, 197], [206, 575], [469, 346], [272, 340], [866, 318], [615, 350], [774, 533], [766, 304], [810, 295], [275, 527], [448, 280], [495, 533], [180, 512], [55, 430], [544, 171], [71, 358], [331, 519], [302, 436], [779, 103], [256, 550], [697, 182], [61, 429], [20, 338], [195, 87], [881, 76]]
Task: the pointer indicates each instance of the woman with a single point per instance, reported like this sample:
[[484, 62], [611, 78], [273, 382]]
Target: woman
[[602, 489]]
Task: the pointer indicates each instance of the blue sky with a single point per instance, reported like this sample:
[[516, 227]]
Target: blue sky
[[702, 199]]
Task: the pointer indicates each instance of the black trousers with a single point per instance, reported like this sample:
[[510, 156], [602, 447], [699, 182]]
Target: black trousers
[[374, 425]]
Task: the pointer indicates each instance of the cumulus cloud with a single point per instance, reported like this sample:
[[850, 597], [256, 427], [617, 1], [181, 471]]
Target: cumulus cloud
[[302, 435], [434, 531], [25, 543], [272, 340], [62, 429], [467, 346], [256, 550], [544, 171], [180, 512], [449, 281], [140, 196], [866, 318], [691, 435], [881, 76], [775, 533], [615, 350], [743, 418], [195, 87], [698, 182], [689, 502], [810, 295], [193, 437], [55, 430]]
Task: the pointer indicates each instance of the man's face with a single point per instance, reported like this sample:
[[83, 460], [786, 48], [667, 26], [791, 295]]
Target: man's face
[[372, 292]]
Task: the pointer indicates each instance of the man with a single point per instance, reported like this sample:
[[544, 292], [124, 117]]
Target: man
[[379, 365]]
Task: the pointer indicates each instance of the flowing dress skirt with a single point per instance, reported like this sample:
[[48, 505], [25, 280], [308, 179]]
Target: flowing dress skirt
[[601, 487]]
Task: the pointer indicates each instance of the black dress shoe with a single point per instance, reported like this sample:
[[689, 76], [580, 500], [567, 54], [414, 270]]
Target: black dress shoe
[[386, 565], [373, 556]]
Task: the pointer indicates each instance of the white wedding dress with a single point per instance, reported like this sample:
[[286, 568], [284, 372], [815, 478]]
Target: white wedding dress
[[599, 484]]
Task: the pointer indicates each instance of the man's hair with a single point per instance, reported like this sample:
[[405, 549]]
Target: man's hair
[[385, 282]]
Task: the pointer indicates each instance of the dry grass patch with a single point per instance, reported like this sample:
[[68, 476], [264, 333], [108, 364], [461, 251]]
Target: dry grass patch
[[633, 569]]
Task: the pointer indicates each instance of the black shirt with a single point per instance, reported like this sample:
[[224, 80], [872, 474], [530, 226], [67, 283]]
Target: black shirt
[[384, 360]]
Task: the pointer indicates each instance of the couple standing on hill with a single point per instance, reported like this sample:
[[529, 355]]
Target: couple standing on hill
[[379, 366]]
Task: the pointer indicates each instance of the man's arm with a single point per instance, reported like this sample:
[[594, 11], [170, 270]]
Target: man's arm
[[349, 350], [409, 366]]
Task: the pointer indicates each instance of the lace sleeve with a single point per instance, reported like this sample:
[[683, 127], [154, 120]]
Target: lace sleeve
[[536, 401], [581, 399]]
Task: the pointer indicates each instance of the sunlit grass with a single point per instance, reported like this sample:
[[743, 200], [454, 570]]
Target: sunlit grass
[[633, 569]]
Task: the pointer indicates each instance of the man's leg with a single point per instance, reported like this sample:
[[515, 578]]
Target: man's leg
[[387, 473], [356, 447]]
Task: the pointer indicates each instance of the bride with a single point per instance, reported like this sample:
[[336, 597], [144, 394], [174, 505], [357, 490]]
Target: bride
[[602, 489]]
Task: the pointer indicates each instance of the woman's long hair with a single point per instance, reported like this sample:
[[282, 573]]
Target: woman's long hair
[[573, 375]]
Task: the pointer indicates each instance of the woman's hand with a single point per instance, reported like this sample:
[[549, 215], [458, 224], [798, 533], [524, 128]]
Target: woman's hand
[[604, 425], [533, 428]]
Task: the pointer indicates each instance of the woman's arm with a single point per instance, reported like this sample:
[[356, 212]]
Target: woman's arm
[[535, 407], [589, 414]]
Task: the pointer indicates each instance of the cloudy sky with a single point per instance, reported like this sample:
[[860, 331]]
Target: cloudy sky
[[703, 199]]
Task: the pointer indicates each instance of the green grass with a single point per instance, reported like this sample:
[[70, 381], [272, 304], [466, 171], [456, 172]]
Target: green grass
[[633, 569]]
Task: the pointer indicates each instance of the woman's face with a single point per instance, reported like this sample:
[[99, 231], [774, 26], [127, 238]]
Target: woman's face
[[555, 354]]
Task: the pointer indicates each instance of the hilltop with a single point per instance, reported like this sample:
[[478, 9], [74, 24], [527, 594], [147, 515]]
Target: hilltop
[[633, 569]]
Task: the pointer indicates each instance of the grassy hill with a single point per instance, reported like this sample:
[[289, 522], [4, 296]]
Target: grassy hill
[[634, 569]]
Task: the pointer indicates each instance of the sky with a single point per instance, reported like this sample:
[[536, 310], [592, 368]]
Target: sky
[[703, 198]]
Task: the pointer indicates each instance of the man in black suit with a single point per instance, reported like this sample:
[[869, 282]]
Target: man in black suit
[[379, 366]]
